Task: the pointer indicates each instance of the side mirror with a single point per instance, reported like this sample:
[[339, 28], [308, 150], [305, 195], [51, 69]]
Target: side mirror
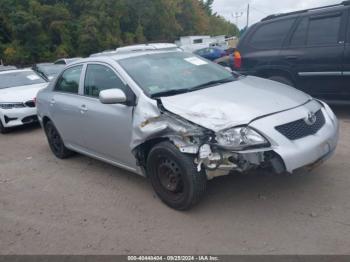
[[112, 96]]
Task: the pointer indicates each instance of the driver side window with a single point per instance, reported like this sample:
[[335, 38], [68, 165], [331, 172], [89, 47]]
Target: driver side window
[[100, 77]]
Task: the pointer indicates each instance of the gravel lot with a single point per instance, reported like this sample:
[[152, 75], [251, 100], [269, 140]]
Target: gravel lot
[[83, 206]]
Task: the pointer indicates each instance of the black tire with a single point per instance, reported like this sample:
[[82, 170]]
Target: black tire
[[282, 79], [174, 177], [55, 142], [3, 130]]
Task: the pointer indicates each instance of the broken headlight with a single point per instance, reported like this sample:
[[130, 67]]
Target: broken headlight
[[240, 138], [11, 105]]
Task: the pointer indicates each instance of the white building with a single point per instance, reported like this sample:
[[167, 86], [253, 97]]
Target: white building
[[193, 43]]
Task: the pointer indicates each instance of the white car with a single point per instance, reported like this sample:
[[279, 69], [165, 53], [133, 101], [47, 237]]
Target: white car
[[18, 90]]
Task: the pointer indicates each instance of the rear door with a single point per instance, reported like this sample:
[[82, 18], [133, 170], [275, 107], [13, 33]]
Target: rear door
[[315, 54], [64, 109]]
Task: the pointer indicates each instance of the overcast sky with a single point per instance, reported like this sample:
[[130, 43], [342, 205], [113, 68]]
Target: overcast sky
[[262, 8]]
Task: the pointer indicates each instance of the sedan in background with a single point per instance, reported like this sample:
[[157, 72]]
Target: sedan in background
[[228, 59], [66, 61], [18, 90], [49, 71], [211, 53]]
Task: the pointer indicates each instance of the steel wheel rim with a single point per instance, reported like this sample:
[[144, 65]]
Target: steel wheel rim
[[170, 178], [55, 139]]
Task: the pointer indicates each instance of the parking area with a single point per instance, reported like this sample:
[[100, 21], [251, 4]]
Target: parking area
[[83, 206]]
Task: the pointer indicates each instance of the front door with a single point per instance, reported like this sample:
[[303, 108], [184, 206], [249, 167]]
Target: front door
[[107, 129]]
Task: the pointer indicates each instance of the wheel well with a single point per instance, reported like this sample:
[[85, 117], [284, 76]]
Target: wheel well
[[142, 151], [276, 72], [45, 120]]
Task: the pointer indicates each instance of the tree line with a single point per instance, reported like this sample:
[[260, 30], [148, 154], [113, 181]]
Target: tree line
[[44, 30]]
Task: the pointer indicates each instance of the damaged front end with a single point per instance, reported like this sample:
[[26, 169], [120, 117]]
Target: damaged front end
[[218, 153]]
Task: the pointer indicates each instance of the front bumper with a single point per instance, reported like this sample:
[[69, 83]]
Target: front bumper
[[285, 155], [306, 151], [18, 116]]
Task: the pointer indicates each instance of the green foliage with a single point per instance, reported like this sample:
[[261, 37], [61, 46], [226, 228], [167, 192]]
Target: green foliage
[[44, 30]]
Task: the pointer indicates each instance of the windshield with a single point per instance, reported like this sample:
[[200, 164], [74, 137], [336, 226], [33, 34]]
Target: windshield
[[163, 73], [23, 78]]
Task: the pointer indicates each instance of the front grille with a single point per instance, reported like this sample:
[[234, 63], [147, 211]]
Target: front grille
[[299, 129], [29, 119], [30, 103]]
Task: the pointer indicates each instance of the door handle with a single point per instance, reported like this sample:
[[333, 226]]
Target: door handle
[[52, 102], [83, 109], [292, 57]]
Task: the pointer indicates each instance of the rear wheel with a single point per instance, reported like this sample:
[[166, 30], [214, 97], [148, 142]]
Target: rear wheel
[[55, 142], [174, 177], [282, 79], [3, 130]]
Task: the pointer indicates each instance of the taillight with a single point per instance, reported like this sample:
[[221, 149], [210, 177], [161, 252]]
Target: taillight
[[237, 59]]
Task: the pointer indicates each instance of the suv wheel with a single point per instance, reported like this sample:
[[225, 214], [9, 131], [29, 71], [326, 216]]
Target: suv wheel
[[3, 130], [55, 142], [174, 176], [282, 79]]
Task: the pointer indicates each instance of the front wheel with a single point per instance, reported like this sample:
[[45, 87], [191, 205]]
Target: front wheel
[[174, 177], [55, 142]]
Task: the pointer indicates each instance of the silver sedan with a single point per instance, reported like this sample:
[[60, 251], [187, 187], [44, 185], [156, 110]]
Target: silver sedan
[[181, 120]]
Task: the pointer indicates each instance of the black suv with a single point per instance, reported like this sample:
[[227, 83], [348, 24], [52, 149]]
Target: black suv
[[308, 49]]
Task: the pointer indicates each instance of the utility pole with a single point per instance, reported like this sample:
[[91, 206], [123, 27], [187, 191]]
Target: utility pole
[[248, 11]]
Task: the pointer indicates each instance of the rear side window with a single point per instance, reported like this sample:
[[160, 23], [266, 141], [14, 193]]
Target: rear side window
[[271, 35], [100, 77], [299, 36], [324, 31], [69, 80]]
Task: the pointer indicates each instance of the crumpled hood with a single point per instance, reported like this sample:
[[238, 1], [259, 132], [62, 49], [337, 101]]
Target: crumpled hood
[[21, 93], [235, 103]]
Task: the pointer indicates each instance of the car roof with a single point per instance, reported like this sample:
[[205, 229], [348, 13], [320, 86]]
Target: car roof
[[123, 55], [342, 5], [145, 47], [138, 48]]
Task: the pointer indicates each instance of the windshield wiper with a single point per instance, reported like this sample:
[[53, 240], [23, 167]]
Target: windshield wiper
[[186, 90], [212, 83], [170, 92]]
